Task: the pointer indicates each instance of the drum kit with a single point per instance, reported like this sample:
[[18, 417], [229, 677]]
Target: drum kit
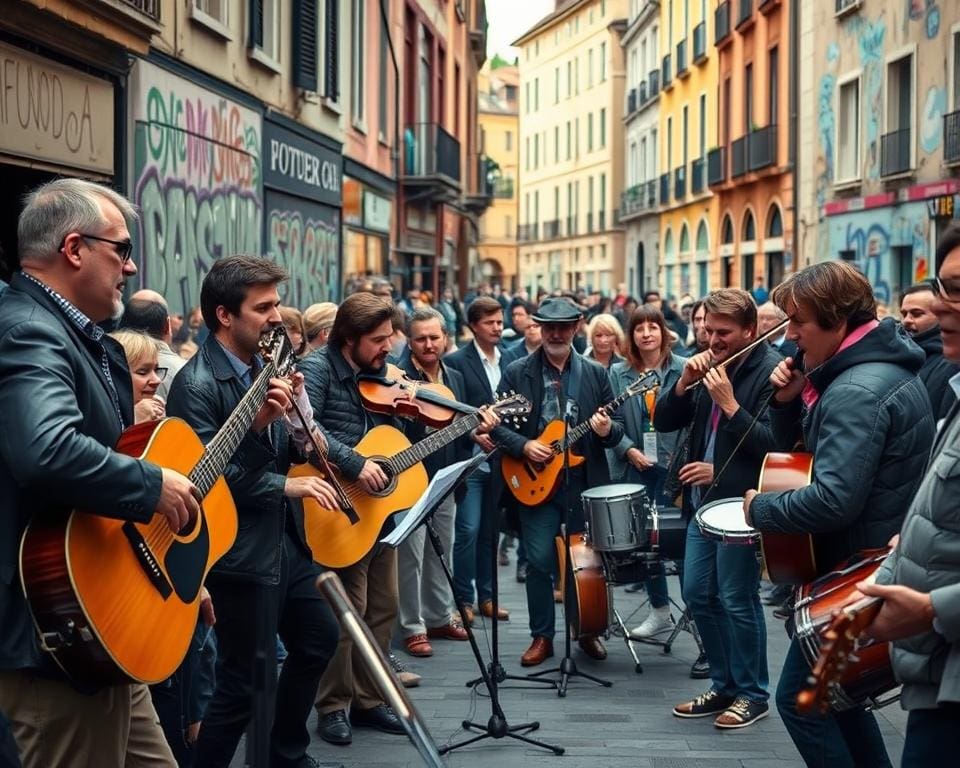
[[625, 536]]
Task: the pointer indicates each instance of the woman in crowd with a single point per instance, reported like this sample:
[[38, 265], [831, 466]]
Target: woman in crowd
[[141, 353], [605, 337], [317, 322], [293, 322]]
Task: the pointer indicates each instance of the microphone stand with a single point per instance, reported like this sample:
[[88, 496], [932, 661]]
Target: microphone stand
[[568, 667]]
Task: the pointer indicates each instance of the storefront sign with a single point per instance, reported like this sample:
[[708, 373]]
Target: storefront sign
[[54, 114], [352, 195], [376, 212], [943, 207], [293, 163]]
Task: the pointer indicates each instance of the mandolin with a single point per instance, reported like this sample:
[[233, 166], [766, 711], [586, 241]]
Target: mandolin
[[339, 539], [533, 483], [116, 601]]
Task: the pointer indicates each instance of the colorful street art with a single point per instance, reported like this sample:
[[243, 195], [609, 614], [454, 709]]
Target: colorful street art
[[197, 180], [931, 119]]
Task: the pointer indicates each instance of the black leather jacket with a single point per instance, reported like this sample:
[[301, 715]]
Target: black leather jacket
[[204, 394]]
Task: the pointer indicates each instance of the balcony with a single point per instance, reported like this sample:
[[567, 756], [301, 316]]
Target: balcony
[[642, 94], [551, 229], [716, 166], [745, 12], [682, 58], [149, 8], [649, 196], [503, 189], [478, 33], [653, 81], [738, 157], [664, 188], [667, 76], [589, 229], [895, 152], [700, 42], [680, 182], [721, 23], [571, 226], [632, 101], [762, 148], [601, 221], [951, 138], [528, 232], [431, 160], [843, 7], [697, 168]]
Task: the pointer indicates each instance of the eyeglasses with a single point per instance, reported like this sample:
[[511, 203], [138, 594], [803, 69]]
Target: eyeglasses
[[124, 247], [947, 290], [161, 373]]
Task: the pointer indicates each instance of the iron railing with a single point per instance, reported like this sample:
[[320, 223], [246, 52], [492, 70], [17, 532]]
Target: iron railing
[[738, 157], [716, 166], [571, 226], [697, 168], [664, 188], [654, 80], [149, 8], [951, 137], [430, 151], [680, 182], [762, 147], [721, 22], [551, 229], [632, 101], [895, 152]]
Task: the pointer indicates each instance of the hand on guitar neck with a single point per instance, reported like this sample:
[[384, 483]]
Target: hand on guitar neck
[[279, 396]]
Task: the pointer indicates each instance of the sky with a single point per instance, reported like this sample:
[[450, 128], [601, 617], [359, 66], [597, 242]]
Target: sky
[[508, 19]]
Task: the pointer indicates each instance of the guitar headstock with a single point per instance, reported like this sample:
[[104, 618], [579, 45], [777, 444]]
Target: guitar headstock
[[649, 380], [512, 406], [837, 650], [275, 347]]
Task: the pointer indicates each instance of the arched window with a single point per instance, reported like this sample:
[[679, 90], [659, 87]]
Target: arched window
[[703, 242], [668, 246], [774, 222], [684, 239], [726, 231], [749, 227]]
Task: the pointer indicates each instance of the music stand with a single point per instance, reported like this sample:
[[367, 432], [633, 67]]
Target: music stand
[[497, 726]]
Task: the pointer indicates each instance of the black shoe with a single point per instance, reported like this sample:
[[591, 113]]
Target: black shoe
[[741, 713], [710, 703], [521, 572], [701, 668], [304, 762], [334, 728], [380, 717], [778, 595], [637, 586], [783, 612]]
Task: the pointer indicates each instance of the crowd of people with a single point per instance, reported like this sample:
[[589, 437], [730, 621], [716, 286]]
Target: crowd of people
[[874, 400]]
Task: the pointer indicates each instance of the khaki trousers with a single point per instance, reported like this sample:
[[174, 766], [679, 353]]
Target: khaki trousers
[[55, 726], [425, 597], [371, 586]]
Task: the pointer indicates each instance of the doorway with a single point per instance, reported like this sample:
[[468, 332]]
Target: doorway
[[17, 181]]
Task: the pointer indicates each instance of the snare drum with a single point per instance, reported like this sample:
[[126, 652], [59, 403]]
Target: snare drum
[[722, 520], [616, 517]]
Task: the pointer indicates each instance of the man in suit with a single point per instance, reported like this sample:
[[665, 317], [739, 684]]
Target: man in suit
[[560, 384], [265, 584], [920, 321], [481, 365], [65, 397]]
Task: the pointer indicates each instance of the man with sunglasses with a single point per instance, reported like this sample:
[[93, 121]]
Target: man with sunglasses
[[65, 398]]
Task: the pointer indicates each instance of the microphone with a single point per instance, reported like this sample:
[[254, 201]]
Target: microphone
[[795, 365]]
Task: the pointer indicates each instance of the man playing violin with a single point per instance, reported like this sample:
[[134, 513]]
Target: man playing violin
[[559, 383], [721, 580], [865, 416]]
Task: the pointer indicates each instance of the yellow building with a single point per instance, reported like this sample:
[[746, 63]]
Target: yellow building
[[499, 141], [571, 148], [688, 131]]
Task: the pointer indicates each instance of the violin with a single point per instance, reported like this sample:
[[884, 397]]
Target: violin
[[397, 395]]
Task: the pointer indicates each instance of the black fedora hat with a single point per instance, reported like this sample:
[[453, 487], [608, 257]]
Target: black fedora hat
[[557, 310]]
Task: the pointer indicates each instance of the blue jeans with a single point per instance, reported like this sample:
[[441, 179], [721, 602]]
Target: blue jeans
[[473, 542], [653, 480], [848, 739], [539, 527], [720, 583], [932, 736]]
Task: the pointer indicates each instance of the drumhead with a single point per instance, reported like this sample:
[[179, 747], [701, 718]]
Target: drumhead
[[725, 516], [614, 491]]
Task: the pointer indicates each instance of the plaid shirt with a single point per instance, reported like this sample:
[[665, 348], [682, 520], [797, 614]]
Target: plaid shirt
[[88, 328]]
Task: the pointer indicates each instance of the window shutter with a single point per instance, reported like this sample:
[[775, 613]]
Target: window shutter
[[305, 18], [256, 23], [331, 75]]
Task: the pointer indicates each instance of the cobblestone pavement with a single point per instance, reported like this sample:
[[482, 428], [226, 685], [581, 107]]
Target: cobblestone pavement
[[627, 725]]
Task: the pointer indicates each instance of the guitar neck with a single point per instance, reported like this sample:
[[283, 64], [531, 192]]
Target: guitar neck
[[610, 408], [417, 452], [224, 444]]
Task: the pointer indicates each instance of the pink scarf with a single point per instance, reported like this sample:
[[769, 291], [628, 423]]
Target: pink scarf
[[810, 394]]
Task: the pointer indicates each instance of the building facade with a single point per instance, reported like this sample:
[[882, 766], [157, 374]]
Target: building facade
[[883, 137], [688, 128], [499, 141], [639, 201], [571, 148]]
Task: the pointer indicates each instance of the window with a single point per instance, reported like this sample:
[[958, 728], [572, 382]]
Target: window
[[576, 75], [358, 58], [590, 196], [668, 160], [576, 137], [603, 127], [603, 61], [773, 75], [330, 47], [590, 132], [526, 153], [603, 194], [899, 93], [536, 94], [725, 138], [556, 143], [536, 151], [569, 79], [570, 210], [590, 68], [526, 98], [264, 25], [382, 91], [848, 133], [703, 125], [556, 85], [508, 141], [569, 140], [212, 13], [955, 71], [748, 99], [686, 132]]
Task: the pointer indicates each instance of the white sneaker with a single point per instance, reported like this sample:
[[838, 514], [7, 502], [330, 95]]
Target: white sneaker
[[658, 622]]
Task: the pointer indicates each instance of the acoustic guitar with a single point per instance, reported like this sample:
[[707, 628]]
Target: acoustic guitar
[[789, 557], [532, 482], [338, 538], [116, 601]]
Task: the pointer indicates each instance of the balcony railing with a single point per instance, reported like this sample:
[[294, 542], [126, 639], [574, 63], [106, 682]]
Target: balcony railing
[[951, 137], [716, 166], [700, 42], [503, 189], [589, 229], [632, 101], [697, 168], [738, 157], [667, 76], [680, 182], [642, 93], [484, 172], [895, 152], [682, 58], [551, 229], [664, 188], [571, 226], [430, 151], [745, 12], [762, 147], [721, 22], [149, 8], [528, 232], [845, 5], [601, 221], [650, 193], [654, 83]]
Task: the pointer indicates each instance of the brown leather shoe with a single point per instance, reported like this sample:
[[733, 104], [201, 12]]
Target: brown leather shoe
[[539, 651], [486, 608], [452, 631], [593, 647], [418, 645], [468, 614]]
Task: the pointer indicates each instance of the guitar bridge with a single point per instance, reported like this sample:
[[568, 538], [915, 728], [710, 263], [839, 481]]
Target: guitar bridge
[[148, 562]]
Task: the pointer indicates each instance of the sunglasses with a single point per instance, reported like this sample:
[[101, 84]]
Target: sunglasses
[[947, 290], [123, 247]]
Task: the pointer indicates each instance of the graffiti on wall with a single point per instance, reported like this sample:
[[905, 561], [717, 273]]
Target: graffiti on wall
[[309, 248], [197, 181], [927, 12], [931, 119]]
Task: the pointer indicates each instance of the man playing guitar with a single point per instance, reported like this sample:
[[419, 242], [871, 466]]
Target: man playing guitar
[[865, 416]]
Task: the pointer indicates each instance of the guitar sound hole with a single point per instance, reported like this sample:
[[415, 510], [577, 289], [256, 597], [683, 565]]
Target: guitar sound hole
[[392, 484]]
